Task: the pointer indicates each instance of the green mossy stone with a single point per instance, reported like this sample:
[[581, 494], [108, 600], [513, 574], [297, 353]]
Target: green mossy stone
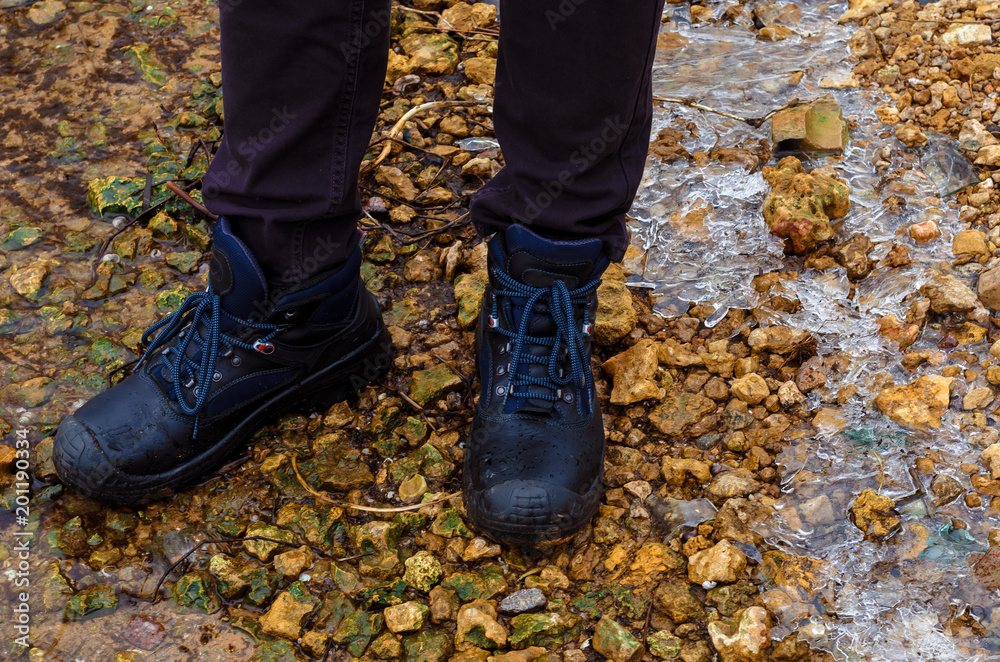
[[731, 598], [428, 461], [664, 644], [405, 311], [196, 590], [634, 603], [548, 630], [163, 227], [103, 351], [185, 262], [382, 251], [449, 524], [170, 300], [356, 630], [382, 595], [335, 607], [261, 584], [469, 292], [21, 238], [277, 651], [199, 235], [118, 524], [229, 580], [115, 195], [433, 383], [143, 58], [615, 642], [91, 600], [54, 588], [474, 584], [314, 524], [264, 550], [336, 466], [379, 541], [372, 276], [427, 646], [435, 54]]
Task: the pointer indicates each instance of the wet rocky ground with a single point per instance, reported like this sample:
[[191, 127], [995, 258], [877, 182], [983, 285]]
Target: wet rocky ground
[[759, 461]]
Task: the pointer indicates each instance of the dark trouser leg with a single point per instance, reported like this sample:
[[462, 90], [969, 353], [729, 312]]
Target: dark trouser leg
[[572, 113], [301, 83]]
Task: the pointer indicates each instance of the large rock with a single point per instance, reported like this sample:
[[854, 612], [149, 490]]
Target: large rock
[[751, 389], [288, 612], [817, 126], [744, 641], [919, 404], [965, 34], [615, 642], [777, 339], [801, 206], [950, 295], [469, 292], [478, 627], [407, 617], [435, 53], [732, 484], [989, 288], [633, 371], [721, 563], [875, 514], [679, 411], [860, 9], [616, 316]]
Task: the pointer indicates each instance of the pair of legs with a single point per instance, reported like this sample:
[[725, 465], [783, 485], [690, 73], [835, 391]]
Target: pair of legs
[[286, 320], [302, 84]]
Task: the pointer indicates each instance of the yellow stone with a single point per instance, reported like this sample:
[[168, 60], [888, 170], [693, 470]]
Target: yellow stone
[[919, 404]]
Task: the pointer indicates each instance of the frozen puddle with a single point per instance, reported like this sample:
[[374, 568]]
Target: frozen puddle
[[699, 223]]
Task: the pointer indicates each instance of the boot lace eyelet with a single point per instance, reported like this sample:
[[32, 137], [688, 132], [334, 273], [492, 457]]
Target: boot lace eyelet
[[501, 370], [290, 314], [501, 390], [263, 347], [236, 360], [217, 377], [567, 397]]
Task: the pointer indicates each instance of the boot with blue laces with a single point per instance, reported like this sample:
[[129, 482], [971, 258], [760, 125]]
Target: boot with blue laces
[[227, 361], [535, 454]]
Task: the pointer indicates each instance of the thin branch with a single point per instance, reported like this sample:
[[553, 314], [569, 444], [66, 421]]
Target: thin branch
[[755, 122], [182, 194], [326, 498], [408, 115]]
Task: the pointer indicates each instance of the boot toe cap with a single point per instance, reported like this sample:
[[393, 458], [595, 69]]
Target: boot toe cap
[[531, 511], [79, 460]]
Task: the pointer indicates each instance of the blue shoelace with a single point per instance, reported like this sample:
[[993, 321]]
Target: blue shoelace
[[566, 343], [198, 308]]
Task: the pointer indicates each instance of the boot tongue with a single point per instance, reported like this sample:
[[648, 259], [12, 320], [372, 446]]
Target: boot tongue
[[236, 277], [540, 262]]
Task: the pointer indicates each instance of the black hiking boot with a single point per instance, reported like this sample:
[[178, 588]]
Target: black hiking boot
[[535, 456], [214, 371]]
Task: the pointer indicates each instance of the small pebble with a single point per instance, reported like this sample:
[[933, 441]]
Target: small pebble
[[525, 600]]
